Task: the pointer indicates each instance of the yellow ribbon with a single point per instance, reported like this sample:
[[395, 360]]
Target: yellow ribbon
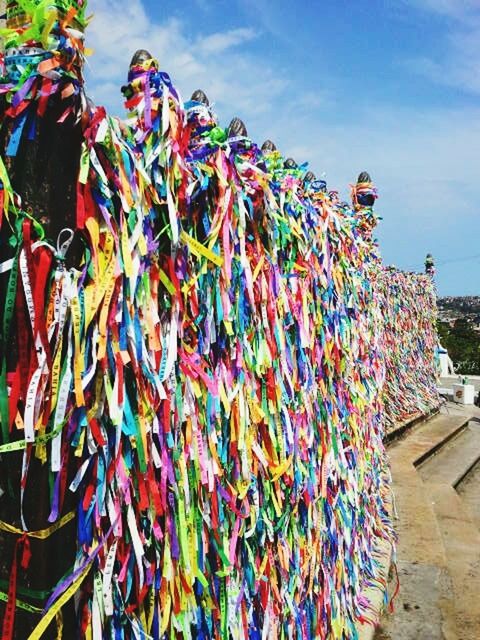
[[43, 533], [199, 250], [55, 608]]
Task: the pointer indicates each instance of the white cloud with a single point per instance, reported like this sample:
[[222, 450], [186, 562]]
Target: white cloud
[[215, 62], [220, 42], [453, 8], [458, 63], [403, 148]]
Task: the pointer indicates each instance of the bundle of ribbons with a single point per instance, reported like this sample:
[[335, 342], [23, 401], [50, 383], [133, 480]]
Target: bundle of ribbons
[[410, 345], [198, 391]]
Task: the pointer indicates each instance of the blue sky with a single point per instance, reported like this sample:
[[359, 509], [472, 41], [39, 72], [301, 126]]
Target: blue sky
[[391, 86]]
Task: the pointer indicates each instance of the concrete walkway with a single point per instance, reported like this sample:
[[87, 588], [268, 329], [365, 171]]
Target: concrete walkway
[[438, 553], [469, 490]]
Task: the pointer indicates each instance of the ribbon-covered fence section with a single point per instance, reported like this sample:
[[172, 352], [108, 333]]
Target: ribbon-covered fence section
[[408, 308], [191, 372]]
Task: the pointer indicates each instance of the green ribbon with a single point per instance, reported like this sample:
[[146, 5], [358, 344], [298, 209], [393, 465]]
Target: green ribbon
[[22, 444], [7, 320]]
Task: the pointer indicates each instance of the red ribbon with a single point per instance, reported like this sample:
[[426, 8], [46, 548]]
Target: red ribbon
[[9, 619]]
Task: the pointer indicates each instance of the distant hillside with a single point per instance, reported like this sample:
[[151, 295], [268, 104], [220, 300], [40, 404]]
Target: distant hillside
[[465, 306], [459, 331]]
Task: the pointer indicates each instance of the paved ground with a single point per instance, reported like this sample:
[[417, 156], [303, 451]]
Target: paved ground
[[469, 491], [438, 553], [416, 609]]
